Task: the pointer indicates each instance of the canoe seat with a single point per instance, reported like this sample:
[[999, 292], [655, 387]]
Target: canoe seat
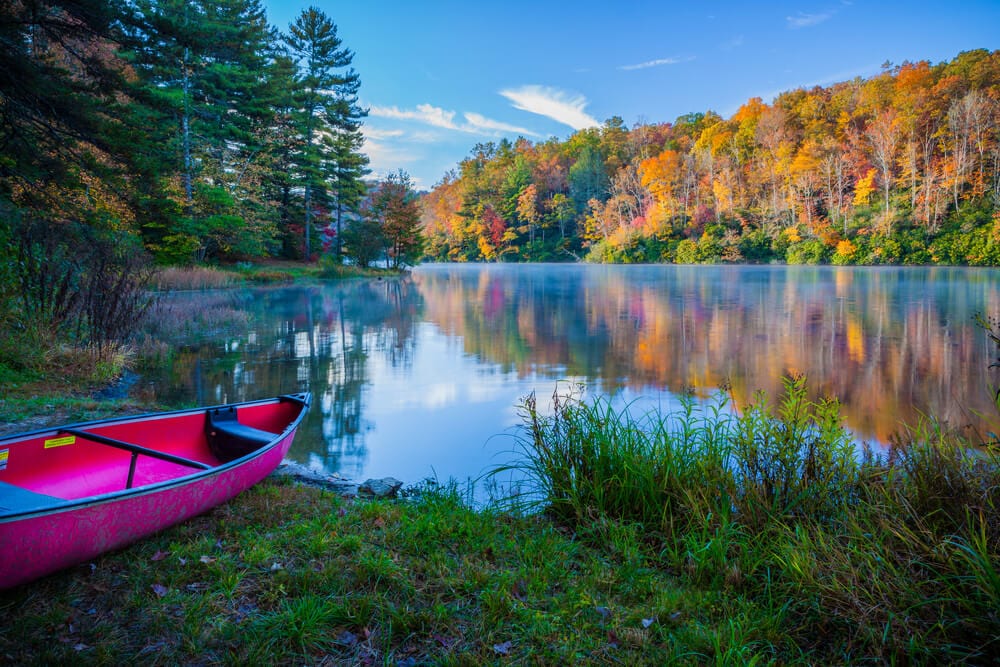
[[228, 439], [14, 499]]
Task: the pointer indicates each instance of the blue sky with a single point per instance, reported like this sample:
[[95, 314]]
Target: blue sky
[[439, 77]]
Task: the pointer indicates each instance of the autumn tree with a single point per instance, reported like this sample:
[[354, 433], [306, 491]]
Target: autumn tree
[[390, 218]]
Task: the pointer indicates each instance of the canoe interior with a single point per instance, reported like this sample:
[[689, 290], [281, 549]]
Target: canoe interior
[[70, 467]]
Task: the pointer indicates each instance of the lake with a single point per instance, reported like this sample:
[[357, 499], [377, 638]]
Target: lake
[[421, 376]]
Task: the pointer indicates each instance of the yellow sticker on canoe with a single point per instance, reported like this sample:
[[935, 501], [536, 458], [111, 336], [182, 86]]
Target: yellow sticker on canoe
[[60, 442], [3, 458]]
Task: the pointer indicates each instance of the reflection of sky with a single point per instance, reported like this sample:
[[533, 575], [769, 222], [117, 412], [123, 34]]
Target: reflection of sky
[[452, 416], [444, 416]]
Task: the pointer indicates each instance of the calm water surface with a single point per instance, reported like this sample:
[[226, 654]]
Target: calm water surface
[[421, 376]]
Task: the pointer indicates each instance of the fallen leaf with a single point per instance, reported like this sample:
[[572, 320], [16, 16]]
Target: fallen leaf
[[646, 622], [613, 639], [80, 647], [183, 561], [276, 566], [503, 649], [379, 522], [159, 555], [604, 612], [207, 559], [159, 589]]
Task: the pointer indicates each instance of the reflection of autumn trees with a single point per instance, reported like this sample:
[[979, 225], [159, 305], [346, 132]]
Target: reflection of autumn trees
[[889, 344], [319, 339]]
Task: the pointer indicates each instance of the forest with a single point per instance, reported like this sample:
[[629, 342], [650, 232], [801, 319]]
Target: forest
[[193, 130], [185, 131], [899, 168], [136, 134]]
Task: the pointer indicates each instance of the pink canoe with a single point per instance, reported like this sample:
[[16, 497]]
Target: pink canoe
[[71, 493]]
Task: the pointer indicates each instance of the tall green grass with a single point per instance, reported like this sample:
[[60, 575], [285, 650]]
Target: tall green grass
[[894, 554]]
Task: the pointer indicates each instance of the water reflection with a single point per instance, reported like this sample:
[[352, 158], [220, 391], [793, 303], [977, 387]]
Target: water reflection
[[413, 377]]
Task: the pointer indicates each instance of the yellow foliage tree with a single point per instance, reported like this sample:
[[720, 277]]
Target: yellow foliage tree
[[864, 188]]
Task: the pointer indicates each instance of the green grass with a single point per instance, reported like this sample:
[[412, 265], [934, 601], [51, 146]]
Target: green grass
[[694, 538], [294, 575]]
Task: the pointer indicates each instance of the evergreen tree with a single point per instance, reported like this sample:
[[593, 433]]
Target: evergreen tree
[[327, 105], [58, 85], [346, 187], [203, 67]]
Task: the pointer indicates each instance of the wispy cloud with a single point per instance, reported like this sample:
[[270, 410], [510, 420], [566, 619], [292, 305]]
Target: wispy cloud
[[802, 20], [378, 135], [656, 63], [559, 105], [480, 122], [424, 113], [436, 116]]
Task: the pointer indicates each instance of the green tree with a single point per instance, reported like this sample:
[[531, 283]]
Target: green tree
[[327, 104], [343, 176], [203, 66], [588, 178], [60, 97]]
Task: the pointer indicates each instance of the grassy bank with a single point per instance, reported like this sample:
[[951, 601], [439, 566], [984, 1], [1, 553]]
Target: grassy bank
[[690, 538], [260, 273], [48, 374]]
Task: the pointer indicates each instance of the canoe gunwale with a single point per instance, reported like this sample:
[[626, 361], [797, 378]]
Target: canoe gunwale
[[67, 505]]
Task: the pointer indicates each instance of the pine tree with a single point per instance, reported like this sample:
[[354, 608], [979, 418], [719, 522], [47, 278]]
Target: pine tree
[[203, 69], [327, 105], [347, 189], [58, 86]]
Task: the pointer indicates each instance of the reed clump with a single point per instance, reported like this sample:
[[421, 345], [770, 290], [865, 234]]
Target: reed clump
[[193, 278], [856, 554]]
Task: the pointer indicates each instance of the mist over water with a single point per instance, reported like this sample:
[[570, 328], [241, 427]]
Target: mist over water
[[421, 376]]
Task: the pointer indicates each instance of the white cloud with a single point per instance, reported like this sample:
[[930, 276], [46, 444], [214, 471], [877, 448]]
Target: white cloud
[[552, 103], [436, 116], [481, 122], [377, 135], [425, 113], [656, 63], [734, 43], [807, 20]]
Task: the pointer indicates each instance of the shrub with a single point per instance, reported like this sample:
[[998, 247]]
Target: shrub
[[810, 251]]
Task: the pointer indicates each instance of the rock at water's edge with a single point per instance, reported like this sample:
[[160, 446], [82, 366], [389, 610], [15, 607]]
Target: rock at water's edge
[[380, 488]]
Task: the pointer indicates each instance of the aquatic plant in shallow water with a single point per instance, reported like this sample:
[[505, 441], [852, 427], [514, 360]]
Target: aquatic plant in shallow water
[[588, 458], [898, 553]]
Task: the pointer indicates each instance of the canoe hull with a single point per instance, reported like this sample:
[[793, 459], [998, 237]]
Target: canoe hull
[[37, 543]]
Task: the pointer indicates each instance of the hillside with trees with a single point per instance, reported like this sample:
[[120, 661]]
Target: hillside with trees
[[900, 168]]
